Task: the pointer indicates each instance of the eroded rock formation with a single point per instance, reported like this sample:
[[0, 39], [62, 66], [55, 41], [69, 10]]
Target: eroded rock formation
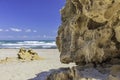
[[28, 55], [90, 37], [23, 55], [90, 31]]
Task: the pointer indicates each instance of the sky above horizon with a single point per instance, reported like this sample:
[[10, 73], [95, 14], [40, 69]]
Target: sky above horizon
[[29, 19]]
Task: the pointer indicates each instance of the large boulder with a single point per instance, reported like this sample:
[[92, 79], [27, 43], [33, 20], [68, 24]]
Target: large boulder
[[90, 37], [90, 31]]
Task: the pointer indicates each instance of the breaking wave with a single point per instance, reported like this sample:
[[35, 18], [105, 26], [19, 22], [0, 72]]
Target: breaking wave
[[42, 44]]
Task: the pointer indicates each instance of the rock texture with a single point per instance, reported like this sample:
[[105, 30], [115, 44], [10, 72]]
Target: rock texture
[[81, 73], [90, 31], [23, 55], [90, 37], [28, 55]]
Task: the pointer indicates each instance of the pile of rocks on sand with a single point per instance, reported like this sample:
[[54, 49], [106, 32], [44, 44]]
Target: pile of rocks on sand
[[23, 55], [28, 55]]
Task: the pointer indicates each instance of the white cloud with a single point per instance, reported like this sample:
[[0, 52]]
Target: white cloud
[[34, 30], [1, 30], [15, 29], [28, 30], [6, 30], [44, 36], [48, 37]]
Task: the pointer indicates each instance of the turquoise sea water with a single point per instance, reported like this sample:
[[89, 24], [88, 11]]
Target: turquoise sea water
[[34, 44]]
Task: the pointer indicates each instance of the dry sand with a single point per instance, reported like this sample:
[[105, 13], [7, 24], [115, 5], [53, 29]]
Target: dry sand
[[32, 70]]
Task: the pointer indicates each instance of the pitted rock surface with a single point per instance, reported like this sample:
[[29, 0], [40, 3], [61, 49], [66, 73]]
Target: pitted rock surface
[[90, 31]]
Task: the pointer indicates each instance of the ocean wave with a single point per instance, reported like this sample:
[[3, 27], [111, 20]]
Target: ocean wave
[[28, 44], [31, 42]]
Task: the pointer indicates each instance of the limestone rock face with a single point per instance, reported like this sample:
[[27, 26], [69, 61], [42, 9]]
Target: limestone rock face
[[90, 31], [28, 55], [90, 37]]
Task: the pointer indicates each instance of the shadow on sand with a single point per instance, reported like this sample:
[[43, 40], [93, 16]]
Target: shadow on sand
[[91, 73], [43, 75]]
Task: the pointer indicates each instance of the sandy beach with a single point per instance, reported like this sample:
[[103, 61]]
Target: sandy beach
[[30, 70]]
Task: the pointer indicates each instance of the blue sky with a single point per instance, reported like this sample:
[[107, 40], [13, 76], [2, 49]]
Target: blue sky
[[29, 19]]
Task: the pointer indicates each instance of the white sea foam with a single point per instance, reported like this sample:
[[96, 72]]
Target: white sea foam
[[27, 44]]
